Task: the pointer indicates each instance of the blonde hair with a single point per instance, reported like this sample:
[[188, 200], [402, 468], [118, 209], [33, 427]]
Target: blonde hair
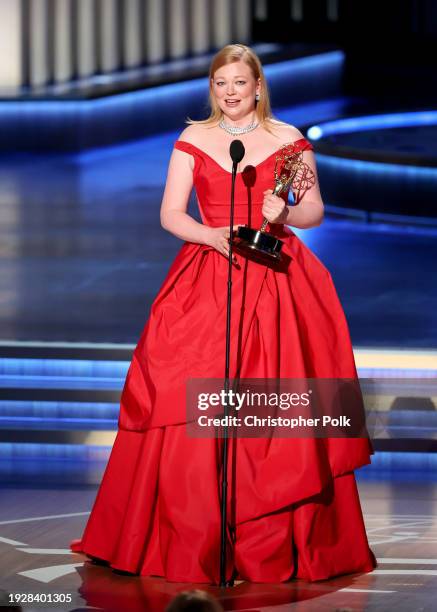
[[228, 55]]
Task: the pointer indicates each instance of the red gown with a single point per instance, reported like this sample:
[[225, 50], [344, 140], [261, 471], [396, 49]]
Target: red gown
[[293, 504]]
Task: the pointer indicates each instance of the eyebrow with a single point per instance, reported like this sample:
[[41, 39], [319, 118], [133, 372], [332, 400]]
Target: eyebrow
[[236, 76]]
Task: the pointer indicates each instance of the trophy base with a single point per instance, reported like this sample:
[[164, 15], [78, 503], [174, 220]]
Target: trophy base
[[258, 245]]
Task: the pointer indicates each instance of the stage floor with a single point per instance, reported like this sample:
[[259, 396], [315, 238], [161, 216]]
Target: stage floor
[[83, 253], [37, 524]]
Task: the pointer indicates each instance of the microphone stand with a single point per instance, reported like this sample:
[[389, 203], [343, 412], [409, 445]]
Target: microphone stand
[[224, 488]]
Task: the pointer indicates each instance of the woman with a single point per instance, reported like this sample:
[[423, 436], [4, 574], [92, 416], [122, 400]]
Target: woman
[[293, 507]]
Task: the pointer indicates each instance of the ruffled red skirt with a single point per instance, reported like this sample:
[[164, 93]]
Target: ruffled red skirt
[[293, 505], [157, 513]]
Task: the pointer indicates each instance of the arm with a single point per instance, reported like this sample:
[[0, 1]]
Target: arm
[[173, 214], [308, 211]]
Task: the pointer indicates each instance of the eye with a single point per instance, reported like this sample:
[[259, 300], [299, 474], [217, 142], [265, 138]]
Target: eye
[[219, 83], [242, 82]]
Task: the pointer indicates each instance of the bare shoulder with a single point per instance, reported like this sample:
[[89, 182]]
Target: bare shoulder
[[193, 134], [285, 131]]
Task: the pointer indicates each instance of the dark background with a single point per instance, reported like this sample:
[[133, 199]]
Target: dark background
[[391, 46]]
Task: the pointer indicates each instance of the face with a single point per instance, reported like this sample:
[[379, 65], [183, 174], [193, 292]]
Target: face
[[234, 88]]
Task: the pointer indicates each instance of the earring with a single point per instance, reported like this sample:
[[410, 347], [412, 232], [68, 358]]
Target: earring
[[257, 97]]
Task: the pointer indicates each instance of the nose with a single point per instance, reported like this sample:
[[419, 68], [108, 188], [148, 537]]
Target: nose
[[230, 89]]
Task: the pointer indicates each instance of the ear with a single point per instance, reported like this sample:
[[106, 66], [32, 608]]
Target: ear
[[258, 86]]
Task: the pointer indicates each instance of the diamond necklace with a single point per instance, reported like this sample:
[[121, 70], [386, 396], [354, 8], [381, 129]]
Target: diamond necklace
[[236, 129]]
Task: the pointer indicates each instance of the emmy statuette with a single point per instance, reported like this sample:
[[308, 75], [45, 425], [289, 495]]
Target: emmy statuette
[[289, 169]]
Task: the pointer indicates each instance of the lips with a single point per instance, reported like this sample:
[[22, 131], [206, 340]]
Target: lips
[[232, 102]]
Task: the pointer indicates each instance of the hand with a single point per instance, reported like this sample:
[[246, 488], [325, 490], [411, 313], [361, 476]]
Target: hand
[[274, 209], [218, 237]]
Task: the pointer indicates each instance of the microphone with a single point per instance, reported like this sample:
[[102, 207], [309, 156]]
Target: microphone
[[236, 151]]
